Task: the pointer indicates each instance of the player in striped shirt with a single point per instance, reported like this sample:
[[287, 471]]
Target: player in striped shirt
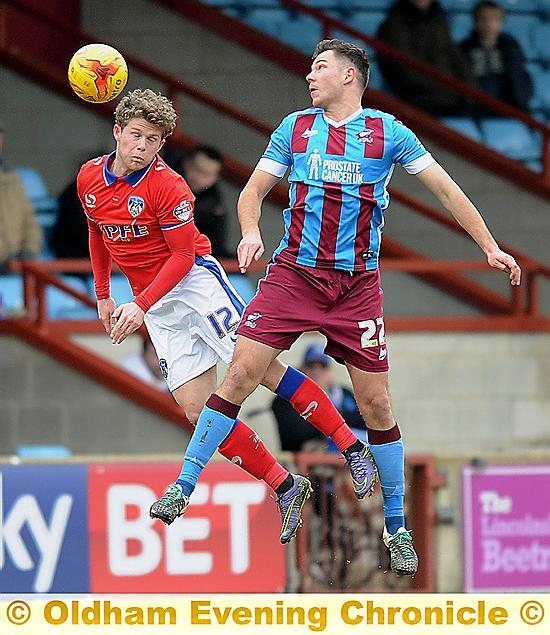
[[324, 275]]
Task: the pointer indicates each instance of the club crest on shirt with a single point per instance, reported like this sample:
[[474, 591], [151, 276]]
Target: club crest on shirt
[[183, 211], [136, 205], [365, 136]]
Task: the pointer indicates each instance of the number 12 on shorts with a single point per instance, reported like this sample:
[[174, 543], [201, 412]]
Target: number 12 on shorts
[[221, 321], [369, 338]]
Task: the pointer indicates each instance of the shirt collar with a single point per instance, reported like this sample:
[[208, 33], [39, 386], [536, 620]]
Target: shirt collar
[[132, 179], [338, 124]]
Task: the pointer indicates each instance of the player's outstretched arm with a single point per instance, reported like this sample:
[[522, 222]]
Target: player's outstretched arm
[[436, 179], [249, 207]]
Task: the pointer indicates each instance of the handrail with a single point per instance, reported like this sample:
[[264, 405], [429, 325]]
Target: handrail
[[39, 274], [429, 212], [174, 84], [291, 59]]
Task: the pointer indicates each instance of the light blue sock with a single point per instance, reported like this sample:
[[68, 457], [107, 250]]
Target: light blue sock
[[390, 459], [211, 430]]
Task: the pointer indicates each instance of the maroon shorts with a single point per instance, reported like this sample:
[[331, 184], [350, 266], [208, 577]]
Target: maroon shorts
[[346, 308]]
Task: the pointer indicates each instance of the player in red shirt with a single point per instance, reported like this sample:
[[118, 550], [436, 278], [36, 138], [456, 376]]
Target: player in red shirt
[[140, 214]]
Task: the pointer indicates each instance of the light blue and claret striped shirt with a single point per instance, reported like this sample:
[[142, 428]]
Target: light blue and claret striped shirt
[[339, 175]]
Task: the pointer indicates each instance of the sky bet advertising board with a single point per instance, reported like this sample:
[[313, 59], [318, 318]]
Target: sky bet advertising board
[[85, 528]]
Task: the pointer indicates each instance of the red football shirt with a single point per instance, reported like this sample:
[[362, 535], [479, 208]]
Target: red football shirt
[[144, 222]]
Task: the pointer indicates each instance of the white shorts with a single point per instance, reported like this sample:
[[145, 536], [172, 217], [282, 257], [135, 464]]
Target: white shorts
[[193, 326]]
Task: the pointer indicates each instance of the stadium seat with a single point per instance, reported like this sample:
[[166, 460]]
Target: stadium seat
[[376, 79], [540, 102], [543, 6], [243, 286], [373, 5], [120, 289], [465, 126], [461, 25], [520, 6], [270, 21], [38, 451], [301, 32], [541, 42], [536, 166], [62, 306], [11, 294], [37, 191], [510, 137], [323, 4], [366, 21], [522, 27], [457, 6]]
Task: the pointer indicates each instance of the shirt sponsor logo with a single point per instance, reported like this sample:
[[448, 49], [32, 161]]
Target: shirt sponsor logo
[[136, 205], [124, 232], [90, 200], [183, 211], [333, 170]]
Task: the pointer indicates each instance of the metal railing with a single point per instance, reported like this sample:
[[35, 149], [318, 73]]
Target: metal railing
[[521, 313], [339, 549]]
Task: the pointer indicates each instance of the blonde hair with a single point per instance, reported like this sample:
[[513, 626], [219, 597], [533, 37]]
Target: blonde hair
[[153, 107]]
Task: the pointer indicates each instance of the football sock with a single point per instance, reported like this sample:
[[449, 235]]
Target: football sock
[[285, 485], [314, 405], [388, 451], [245, 448], [216, 421]]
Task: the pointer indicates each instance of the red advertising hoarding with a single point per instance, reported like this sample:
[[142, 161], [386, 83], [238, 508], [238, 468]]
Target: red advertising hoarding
[[227, 541]]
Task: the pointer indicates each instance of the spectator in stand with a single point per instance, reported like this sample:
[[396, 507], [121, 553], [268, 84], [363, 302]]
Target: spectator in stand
[[420, 28], [295, 432], [145, 366], [20, 233], [69, 237], [497, 60], [201, 168]]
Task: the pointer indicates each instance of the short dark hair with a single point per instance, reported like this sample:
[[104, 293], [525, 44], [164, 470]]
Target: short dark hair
[[212, 153], [357, 56], [485, 4]]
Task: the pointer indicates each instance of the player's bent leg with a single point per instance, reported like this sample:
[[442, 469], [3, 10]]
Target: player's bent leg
[[312, 403], [363, 470], [290, 505], [247, 369], [171, 504], [191, 396], [387, 448], [245, 448]]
